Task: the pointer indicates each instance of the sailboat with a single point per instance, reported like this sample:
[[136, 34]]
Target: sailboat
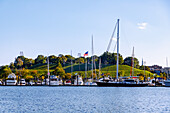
[[90, 81], [116, 83], [51, 80]]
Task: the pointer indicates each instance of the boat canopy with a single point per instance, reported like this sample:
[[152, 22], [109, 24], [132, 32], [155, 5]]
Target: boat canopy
[[12, 75]]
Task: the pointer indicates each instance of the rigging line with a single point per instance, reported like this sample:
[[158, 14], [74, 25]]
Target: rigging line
[[115, 47], [111, 38]]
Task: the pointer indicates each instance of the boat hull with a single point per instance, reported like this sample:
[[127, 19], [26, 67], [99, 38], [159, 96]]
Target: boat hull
[[167, 83], [107, 84]]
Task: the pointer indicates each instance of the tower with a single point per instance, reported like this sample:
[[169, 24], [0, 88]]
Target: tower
[[21, 53]]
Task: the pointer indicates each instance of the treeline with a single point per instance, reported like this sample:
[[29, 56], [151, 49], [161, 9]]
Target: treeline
[[107, 58], [23, 63]]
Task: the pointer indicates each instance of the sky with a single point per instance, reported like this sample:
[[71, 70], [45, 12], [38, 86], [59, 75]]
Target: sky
[[53, 27]]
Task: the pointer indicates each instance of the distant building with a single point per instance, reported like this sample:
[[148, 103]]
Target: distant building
[[155, 68], [166, 70]]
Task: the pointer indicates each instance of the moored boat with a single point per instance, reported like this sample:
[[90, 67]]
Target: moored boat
[[125, 83], [117, 83], [167, 83], [11, 79]]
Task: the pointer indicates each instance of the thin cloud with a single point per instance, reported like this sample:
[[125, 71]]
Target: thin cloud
[[142, 25]]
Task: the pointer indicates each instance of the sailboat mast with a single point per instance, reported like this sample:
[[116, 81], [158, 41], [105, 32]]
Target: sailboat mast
[[71, 64], [167, 68], [48, 67], [99, 66], [92, 59], [117, 72], [133, 62]]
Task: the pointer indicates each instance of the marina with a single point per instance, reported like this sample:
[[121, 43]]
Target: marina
[[88, 56]]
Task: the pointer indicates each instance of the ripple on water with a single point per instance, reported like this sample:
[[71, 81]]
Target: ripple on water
[[84, 99]]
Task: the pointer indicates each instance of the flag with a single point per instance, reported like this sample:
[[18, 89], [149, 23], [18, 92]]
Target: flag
[[86, 53]]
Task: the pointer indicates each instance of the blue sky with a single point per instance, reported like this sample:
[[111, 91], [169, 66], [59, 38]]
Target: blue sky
[[52, 27]]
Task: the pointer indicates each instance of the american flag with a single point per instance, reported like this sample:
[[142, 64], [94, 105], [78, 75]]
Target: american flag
[[86, 53]]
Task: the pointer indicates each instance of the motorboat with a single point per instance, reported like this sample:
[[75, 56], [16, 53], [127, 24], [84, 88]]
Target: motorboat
[[22, 82], [53, 81], [68, 82], [11, 79], [89, 82]]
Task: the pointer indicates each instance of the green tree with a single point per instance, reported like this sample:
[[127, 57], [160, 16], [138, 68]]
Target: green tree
[[111, 58], [52, 59], [68, 76], [4, 72], [40, 59], [18, 63], [12, 66], [81, 60], [128, 61], [28, 62], [69, 58], [146, 68]]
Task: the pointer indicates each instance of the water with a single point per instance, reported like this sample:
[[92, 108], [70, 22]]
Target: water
[[84, 99]]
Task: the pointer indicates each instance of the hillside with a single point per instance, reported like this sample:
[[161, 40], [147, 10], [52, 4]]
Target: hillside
[[124, 70]]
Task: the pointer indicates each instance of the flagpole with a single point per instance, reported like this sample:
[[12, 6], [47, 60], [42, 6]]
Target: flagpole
[[86, 69], [86, 54]]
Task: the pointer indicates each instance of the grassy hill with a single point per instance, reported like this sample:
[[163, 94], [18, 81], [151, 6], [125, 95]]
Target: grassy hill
[[124, 70]]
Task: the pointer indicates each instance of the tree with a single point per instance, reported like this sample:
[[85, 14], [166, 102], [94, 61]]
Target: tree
[[59, 71], [81, 60], [146, 68], [52, 59], [68, 76], [12, 66], [64, 59], [5, 71], [111, 58], [25, 72], [69, 58], [128, 61], [59, 65], [19, 63], [28, 63], [40, 59]]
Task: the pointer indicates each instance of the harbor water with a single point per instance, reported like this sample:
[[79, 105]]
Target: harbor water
[[42, 99]]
